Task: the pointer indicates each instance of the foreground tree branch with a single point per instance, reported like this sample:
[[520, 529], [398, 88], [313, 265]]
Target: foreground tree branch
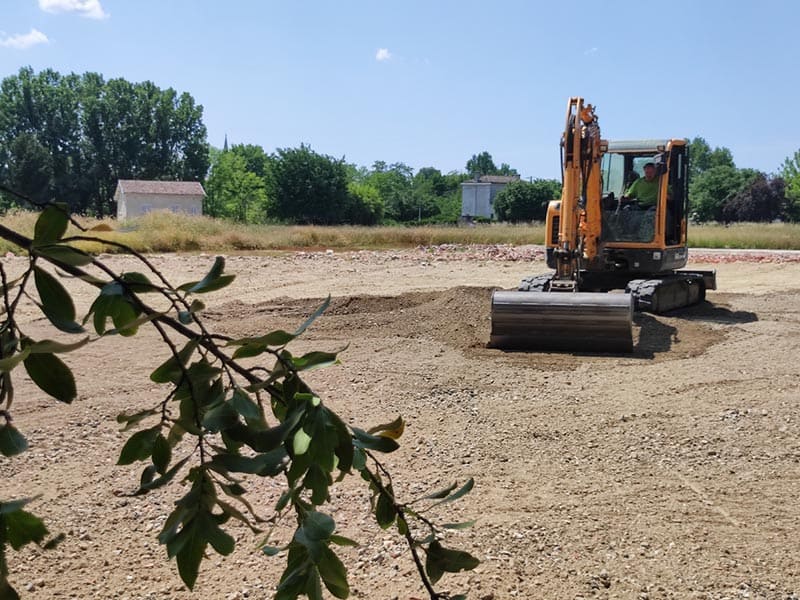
[[218, 421]]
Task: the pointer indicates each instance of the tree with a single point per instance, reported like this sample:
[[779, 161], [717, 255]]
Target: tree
[[790, 172], [309, 188], [394, 186], [219, 420], [30, 168], [256, 160], [364, 206], [702, 157], [712, 188], [96, 132], [763, 199], [522, 201], [234, 192], [481, 164]]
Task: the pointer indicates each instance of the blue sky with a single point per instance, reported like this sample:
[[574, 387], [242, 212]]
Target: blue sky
[[431, 83]]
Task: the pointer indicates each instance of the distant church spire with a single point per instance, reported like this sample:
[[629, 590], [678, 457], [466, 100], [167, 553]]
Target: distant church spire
[[225, 145]]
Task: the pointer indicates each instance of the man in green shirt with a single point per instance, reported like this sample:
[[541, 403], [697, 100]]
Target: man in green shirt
[[644, 189]]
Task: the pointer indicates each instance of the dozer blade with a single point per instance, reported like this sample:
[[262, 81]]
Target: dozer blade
[[565, 321]]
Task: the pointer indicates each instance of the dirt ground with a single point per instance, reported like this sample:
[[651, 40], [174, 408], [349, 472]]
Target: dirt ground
[[673, 472]]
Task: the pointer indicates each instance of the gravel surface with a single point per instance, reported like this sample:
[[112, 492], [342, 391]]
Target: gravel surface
[[670, 473]]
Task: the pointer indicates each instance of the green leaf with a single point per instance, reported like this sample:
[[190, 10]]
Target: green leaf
[[170, 370], [214, 280], [148, 474], [318, 481], [272, 550], [464, 525], [52, 376], [139, 446], [220, 417], [314, 360], [14, 505], [373, 442], [67, 255], [222, 542], [51, 224], [163, 480], [301, 442], [244, 405], [318, 526], [112, 303], [162, 453], [133, 419], [465, 489], [57, 304], [441, 560], [52, 347], [323, 307], [441, 493], [6, 591], [333, 573], [12, 442], [191, 553], [22, 528], [185, 316], [8, 363], [138, 283], [269, 463], [385, 511], [340, 540]]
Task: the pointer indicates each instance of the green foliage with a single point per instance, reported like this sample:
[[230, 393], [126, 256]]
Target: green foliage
[[218, 420], [308, 187], [72, 137], [393, 183], [712, 188], [365, 206], [702, 157], [790, 172], [521, 201], [234, 192], [481, 164], [762, 200]]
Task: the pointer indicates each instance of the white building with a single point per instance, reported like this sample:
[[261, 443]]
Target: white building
[[477, 196], [135, 198]]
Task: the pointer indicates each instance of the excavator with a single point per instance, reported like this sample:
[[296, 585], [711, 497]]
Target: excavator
[[609, 256]]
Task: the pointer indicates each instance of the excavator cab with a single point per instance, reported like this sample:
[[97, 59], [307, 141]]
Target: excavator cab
[[596, 245], [621, 165]]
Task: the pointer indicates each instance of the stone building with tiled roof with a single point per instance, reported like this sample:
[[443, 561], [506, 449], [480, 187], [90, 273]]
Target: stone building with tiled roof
[[135, 197]]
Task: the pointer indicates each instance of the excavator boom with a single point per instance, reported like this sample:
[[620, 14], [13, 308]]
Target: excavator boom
[[558, 316]]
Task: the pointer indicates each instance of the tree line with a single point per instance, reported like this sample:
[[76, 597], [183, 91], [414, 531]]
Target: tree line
[[72, 137]]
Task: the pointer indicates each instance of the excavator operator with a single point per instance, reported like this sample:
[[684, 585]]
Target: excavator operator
[[643, 193]]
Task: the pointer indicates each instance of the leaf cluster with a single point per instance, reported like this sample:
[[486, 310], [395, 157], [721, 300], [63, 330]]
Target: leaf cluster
[[219, 424]]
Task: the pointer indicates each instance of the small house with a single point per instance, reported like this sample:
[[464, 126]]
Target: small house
[[135, 197], [477, 196]]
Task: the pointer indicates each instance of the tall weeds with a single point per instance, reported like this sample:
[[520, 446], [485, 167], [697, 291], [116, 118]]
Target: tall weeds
[[167, 232]]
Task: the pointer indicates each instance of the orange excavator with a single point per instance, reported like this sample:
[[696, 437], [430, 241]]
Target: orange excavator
[[611, 255]]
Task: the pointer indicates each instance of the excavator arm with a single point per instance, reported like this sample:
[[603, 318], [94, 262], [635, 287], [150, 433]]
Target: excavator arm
[[557, 316]]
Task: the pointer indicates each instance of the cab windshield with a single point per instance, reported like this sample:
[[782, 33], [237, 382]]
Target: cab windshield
[[624, 223]]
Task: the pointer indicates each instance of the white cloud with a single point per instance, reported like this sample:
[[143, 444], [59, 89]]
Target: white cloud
[[383, 54], [85, 8], [21, 41], [592, 50]]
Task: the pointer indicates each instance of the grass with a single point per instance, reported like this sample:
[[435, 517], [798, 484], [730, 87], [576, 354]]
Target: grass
[[768, 236], [167, 232]]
